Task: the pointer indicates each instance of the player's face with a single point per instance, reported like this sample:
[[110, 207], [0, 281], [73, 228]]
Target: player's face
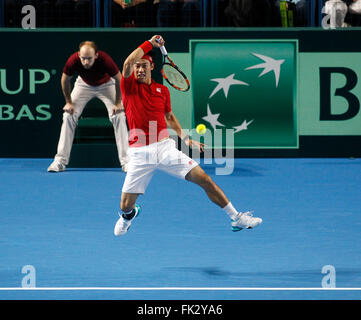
[[87, 56], [143, 71]]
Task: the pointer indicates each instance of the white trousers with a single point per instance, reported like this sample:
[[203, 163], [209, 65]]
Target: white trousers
[[81, 94]]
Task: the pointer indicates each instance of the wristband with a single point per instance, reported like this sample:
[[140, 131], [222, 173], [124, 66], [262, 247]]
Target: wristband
[[146, 46]]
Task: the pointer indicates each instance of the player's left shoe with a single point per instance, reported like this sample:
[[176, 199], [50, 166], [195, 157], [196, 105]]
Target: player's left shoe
[[123, 225], [245, 220]]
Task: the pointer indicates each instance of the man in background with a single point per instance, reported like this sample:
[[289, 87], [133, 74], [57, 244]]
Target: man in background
[[98, 77]]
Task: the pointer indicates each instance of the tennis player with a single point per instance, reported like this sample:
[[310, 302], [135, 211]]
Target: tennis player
[[148, 110], [98, 77]]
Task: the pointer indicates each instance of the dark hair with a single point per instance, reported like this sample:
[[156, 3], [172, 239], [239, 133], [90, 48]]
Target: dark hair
[[91, 44]]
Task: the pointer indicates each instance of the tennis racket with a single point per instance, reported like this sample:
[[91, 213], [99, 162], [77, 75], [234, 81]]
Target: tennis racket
[[171, 72]]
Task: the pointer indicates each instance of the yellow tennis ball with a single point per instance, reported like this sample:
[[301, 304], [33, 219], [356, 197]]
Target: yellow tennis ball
[[201, 129]]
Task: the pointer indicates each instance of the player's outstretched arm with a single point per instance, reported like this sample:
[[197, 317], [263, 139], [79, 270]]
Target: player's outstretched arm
[[156, 41], [174, 124]]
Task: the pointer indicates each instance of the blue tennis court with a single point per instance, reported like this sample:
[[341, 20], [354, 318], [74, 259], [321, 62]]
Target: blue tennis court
[[62, 225]]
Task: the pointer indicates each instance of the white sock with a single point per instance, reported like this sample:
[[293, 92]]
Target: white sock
[[230, 210]]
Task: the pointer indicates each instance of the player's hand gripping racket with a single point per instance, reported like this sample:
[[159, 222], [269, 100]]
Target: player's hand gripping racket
[[171, 72]]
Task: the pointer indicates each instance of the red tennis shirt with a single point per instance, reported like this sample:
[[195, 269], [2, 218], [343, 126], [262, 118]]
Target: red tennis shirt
[[103, 68], [145, 107]]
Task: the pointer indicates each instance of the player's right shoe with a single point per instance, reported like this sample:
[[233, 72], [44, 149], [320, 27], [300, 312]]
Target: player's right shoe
[[245, 220], [123, 225], [56, 167]]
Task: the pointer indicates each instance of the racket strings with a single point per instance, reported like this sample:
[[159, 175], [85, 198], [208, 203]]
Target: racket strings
[[174, 77]]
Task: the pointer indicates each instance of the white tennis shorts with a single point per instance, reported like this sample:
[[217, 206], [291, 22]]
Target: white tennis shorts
[[143, 161]]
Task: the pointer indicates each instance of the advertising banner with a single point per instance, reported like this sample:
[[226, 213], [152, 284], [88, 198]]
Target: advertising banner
[[248, 89], [330, 93], [278, 92]]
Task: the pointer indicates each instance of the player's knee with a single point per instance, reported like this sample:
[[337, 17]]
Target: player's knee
[[113, 117], [198, 176], [120, 116], [70, 119]]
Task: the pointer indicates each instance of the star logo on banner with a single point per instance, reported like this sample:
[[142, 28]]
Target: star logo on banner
[[225, 83], [243, 126], [212, 118], [269, 65]]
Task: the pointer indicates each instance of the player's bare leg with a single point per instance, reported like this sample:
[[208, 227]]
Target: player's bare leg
[[129, 211], [240, 220], [127, 201], [215, 193]]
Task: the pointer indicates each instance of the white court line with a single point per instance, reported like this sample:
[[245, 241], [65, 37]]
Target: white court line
[[172, 289]]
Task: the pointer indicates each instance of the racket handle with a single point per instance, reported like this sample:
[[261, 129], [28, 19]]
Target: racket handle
[[163, 50]]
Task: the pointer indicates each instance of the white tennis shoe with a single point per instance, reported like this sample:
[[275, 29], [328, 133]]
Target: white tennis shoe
[[123, 225], [245, 220], [56, 167]]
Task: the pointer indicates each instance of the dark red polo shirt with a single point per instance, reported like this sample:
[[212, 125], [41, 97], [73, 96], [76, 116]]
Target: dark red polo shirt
[[103, 68], [145, 107]]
